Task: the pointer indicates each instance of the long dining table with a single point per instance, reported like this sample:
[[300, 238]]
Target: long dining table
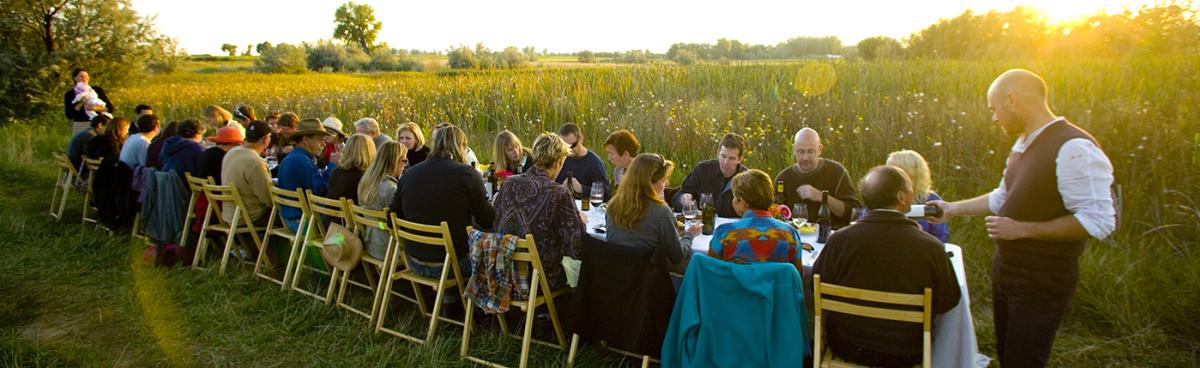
[[954, 341]]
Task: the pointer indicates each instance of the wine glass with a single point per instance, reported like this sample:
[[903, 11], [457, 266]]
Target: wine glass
[[690, 213], [800, 212], [856, 214], [597, 197], [706, 199]]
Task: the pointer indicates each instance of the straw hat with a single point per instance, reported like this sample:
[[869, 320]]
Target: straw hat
[[227, 135], [341, 248], [308, 127]]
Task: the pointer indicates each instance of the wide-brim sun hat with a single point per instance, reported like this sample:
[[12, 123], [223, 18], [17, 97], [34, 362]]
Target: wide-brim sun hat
[[227, 135], [309, 127], [333, 124]]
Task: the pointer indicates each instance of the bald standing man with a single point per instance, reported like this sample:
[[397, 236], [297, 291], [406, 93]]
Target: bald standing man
[[804, 181], [1054, 195]]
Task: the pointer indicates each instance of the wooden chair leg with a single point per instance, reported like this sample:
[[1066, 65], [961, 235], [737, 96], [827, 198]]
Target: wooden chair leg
[[54, 197], [86, 197], [387, 299], [571, 353], [530, 311], [201, 247], [437, 299], [229, 239], [467, 324], [558, 330], [294, 253], [187, 222], [378, 289], [63, 204], [420, 299]]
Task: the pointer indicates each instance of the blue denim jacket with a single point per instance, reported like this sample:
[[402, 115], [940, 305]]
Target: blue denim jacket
[[299, 170]]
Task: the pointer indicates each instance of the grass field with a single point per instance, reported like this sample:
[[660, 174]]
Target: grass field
[[73, 297]]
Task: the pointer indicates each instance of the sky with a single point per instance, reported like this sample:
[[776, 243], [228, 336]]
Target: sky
[[569, 26]]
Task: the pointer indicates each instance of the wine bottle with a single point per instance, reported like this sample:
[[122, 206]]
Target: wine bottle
[[708, 216], [492, 188], [779, 197], [924, 211], [824, 221]]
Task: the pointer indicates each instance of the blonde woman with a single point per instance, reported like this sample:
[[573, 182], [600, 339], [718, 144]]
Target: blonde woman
[[355, 158], [639, 217], [378, 186], [509, 155], [217, 117], [918, 170], [409, 134]]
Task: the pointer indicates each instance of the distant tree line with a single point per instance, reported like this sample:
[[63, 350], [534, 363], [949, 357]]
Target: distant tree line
[[726, 49], [329, 56]]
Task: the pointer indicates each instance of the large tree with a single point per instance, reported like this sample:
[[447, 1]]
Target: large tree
[[356, 25], [44, 39]]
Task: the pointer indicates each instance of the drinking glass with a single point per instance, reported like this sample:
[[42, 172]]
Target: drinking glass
[[706, 199], [857, 214], [800, 212], [597, 197], [691, 214]]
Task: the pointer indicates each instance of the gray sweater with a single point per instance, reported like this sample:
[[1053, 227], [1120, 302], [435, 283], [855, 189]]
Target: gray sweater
[[655, 230]]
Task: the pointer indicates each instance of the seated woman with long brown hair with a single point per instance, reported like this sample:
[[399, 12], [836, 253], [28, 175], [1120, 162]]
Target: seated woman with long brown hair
[[639, 217]]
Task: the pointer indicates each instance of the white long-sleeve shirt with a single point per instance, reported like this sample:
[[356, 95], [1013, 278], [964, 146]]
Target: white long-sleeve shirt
[[1085, 177]]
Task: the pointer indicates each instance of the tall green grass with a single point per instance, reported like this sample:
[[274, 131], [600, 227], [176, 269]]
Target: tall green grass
[[1137, 301]]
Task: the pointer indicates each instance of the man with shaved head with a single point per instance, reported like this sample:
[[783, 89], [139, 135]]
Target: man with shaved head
[[1054, 195], [805, 181], [885, 251]]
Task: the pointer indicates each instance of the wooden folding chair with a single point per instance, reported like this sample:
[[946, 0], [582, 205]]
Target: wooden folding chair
[[197, 187], [319, 208], [276, 227], [220, 197], [66, 176], [92, 166], [451, 277], [852, 305], [373, 268], [524, 257]]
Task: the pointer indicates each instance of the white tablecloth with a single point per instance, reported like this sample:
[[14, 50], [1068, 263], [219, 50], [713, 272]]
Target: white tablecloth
[[954, 342]]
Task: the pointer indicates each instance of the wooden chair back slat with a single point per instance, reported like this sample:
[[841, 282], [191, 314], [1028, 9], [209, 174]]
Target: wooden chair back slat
[[290, 198], [336, 208], [915, 300], [92, 164], [369, 218], [196, 184]]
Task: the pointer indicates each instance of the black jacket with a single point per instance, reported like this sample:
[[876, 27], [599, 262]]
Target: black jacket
[[343, 183], [80, 115], [116, 202], [886, 251], [102, 146], [624, 297], [442, 190], [707, 178]]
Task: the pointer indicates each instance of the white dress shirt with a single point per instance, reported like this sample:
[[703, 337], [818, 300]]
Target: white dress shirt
[[1085, 178]]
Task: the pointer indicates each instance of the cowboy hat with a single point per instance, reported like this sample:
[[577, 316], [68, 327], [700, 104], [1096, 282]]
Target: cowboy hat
[[308, 127], [227, 135], [341, 248]]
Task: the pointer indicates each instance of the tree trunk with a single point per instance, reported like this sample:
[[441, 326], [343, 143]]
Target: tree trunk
[[48, 32]]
